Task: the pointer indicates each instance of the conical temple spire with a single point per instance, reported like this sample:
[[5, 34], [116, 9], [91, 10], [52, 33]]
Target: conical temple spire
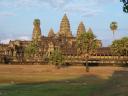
[[65, 16], [65, 27], [90, 30], [51, 33], [81, 29], [36, 36]]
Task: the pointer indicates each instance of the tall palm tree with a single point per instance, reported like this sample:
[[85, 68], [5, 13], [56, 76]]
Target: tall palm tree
[[87, 44], [113, 27]]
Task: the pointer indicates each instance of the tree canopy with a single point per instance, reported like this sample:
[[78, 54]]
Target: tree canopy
[[31, 49], [125, 7], [120, 47], [113, 26], [56, 57], [87, 44]]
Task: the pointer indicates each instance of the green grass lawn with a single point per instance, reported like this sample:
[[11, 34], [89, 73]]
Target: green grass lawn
[[77, 87]]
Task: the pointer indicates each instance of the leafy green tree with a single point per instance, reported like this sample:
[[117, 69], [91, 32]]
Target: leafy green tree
[[116, 48], [120, 47], [31, 49], [125, 46], [87, 45], [56, 57], [125, 7]]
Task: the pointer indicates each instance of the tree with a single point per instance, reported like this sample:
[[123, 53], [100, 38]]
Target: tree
[[120, 47], [116, 48], [87, 44], [31, 49], [56, 58], [125, 46], [125, 7], [113, 27]]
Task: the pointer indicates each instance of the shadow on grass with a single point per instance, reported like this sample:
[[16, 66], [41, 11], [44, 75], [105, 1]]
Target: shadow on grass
[[117, 85]]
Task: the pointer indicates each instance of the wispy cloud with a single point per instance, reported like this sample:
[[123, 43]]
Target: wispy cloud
[[31, 3], [87, 8], [6, 41], [7, 14], [54, 3]]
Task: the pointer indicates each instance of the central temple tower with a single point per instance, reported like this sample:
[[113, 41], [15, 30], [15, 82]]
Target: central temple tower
[[65, 27]]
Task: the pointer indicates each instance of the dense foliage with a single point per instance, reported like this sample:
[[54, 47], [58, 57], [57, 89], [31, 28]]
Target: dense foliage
[[125, 7], [56, 58], [120, 47], [31, 49], [87, 44]]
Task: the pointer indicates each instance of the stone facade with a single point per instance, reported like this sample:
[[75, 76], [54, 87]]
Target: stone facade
[[64, 40]]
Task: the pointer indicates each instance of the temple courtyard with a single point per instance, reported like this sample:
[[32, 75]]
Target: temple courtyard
[[47, 80]]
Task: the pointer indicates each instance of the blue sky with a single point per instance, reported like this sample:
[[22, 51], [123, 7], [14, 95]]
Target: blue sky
[[16, 17]]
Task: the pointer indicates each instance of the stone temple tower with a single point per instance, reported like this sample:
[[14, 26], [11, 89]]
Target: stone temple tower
[[36, 36], [65, 27], [51, 33], [81, 29]]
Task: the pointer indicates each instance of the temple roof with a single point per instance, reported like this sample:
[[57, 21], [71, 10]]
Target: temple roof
[[51, 33], [65, 27], [90, 30], [81, 28]]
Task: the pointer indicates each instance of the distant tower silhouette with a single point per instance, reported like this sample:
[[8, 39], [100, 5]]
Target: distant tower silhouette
[[51, 33], [36, 36], [81, 29], [90, 30], [65, 27]]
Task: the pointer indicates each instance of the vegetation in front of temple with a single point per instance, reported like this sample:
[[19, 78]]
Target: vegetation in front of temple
[[87, 45], [56, 57], [31, 49], [120, 47]]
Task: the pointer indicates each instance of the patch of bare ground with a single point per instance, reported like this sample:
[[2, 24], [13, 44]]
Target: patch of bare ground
[[41, 73]]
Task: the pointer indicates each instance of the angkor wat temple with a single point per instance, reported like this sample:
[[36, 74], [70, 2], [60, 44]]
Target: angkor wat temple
[[63, 39]]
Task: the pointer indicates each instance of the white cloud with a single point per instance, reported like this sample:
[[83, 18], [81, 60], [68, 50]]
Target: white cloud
[[6, 41], [31, 3], [87, 7], [85, 10], [7, 14], [56, 3], [24, 38]]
